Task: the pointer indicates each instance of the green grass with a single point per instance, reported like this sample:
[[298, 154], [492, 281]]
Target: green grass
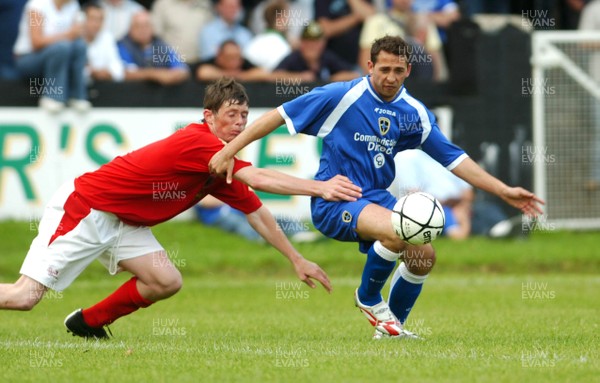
[[493, 311]]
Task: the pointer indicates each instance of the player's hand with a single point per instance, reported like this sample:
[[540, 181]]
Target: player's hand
[[524, 200], [221, 165], [340, 188], [307, 271]]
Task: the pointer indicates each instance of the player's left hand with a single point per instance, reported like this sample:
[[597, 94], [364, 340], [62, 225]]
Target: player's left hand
[[340, 188], [523, 200], [307, 271]]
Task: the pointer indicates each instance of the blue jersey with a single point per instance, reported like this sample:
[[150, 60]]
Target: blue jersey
[[362, 133]]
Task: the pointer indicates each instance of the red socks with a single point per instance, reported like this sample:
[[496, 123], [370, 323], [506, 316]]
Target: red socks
[[125, 300]]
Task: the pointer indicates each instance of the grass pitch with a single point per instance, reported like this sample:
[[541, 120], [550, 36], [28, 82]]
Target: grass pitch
[[492, 311]]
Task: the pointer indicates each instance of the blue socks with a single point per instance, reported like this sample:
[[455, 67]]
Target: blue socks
[[380, 264], [405, 287], [405, 290]]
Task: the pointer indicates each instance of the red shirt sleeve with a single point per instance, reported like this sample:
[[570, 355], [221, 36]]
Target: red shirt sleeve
[[239, 196], [195, 156], [197, 152]]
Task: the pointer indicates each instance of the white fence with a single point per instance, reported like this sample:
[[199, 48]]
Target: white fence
[[38, 152], [565, 89]]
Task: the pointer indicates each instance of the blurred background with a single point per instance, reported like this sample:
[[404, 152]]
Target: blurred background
[[515, 83]]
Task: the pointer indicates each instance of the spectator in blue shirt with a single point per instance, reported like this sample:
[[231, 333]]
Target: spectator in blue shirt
[[442, 12], [148, 58], [226, 26]]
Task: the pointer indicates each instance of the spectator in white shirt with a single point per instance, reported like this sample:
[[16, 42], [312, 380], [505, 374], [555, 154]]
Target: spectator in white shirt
[[50, 51], [299, 14], [104, 62], [267, 49]]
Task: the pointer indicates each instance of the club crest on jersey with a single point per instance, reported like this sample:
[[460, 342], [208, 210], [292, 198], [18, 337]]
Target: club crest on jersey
[[384, 125], [379, 160], [346, 216]]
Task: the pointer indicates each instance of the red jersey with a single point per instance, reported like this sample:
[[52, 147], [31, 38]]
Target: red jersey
[[158, 181]]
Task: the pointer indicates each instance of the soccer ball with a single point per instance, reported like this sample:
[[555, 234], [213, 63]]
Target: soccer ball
[[418, 218]]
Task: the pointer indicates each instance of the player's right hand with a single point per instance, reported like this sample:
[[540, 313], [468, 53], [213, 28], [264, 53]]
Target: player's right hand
[[221, 165], [340, 188]]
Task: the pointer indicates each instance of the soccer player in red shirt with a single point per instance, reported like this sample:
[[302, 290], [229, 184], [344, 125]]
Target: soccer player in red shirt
[[106, 214]]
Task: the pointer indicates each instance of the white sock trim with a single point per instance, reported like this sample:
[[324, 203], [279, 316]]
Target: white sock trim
[[384, 253], [410, 277]]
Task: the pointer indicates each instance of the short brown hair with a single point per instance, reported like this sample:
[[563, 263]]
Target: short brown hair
[[390, 44], [224, 90], [273, 10]]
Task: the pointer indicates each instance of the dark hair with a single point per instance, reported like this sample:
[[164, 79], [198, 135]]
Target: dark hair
[[224, 90], [390, 44], [91, 4], [273, 10], [228, 42]]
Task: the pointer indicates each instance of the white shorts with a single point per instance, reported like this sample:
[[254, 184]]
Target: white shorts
[[71, 235]]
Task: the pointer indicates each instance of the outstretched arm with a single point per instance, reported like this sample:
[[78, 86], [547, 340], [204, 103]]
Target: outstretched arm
[[263, 222], [338, 188], [222, 162], [518, 197]]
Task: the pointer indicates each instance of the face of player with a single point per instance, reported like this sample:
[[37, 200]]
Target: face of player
[[388, 74], [227, 122]]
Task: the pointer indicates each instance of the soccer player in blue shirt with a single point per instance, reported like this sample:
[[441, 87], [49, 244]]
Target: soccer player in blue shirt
[[363, 124]]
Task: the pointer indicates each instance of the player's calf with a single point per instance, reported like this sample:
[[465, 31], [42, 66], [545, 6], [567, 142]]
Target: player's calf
[[407, 282]]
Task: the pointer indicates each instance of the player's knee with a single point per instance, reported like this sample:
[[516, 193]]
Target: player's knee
[[25, 303], [175, 285], [168, 285], [23, 296], [392, 243], [419, 260]]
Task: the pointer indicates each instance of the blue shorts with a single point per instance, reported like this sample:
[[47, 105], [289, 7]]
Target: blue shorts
[[338, 220]]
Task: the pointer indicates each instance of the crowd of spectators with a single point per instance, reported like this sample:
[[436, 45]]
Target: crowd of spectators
[[171, 41], [66, 45]]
